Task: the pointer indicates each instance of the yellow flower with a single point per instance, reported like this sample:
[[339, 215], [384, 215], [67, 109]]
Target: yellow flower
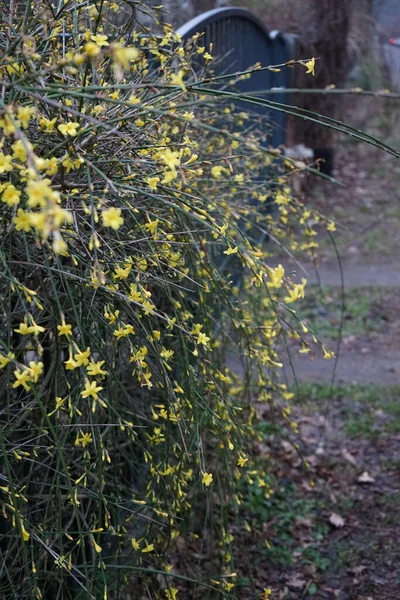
[[122, 273], [5, 163], [112, 218], [24, 114], [202, 339], [296, 292], [11, 195], [151, 226], [25, 329], [91, 389], [231, 251], [101, 40], [5, 360], [70, 364], [327, 353], [35, 370], [310, 65], [217, 171], [331, 226], [22, 221], [134, 99], [276, 275], [47, 124], [19, 150], [38, 192], [171, 158], [148, 548], [207, 479], [177, 79], [82, 358], [92, 49], [69, 128], [123, 55], [242, 460], [59, 245], [84, 440], [22, 378], [124, 331], [64, 328], [95, 368]]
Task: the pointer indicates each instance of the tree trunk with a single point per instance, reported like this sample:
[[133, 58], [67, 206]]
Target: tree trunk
[[328, 36]]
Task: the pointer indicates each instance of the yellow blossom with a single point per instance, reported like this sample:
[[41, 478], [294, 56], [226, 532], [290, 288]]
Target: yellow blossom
[[19, 149], [276, 276], [5, 360], [24, 114], [69, 128], [310, 65], [22, 378], [92, 49], [135, 544], [94, 368], [11, 196], [207, 479], [112, 218], [64, 328], [91, 389], [47, 124], [296, 292], [242, 460], [35, 370], [5, 163], [22, 221], [177, 79], [202, 339], [231, 250], [83, 439], [124, 55], [100, 40], [82, 357]]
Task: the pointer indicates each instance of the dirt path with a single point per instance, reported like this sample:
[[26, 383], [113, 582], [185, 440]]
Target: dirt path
[[354, 274]]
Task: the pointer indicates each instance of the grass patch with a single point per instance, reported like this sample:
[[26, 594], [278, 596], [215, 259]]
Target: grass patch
[[364, 311], [371, 410]]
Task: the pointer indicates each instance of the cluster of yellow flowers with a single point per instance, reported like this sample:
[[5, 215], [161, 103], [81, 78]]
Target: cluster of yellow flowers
[[123, 222]]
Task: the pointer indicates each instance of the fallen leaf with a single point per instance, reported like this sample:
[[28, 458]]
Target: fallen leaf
[[349, 457], [336, 520], [296, 583], [365, 478], [357, 570], [303, 522]]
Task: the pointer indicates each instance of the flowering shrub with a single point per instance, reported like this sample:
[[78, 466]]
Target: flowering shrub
[[129, 201]]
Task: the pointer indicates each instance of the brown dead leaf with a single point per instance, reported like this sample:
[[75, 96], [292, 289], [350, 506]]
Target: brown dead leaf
[[296, 582], [357, 570], [336, 520], [365, 477], [349, 457], [303, 522]]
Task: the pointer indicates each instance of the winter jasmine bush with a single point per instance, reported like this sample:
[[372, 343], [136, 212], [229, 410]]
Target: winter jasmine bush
[[128, 200]]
